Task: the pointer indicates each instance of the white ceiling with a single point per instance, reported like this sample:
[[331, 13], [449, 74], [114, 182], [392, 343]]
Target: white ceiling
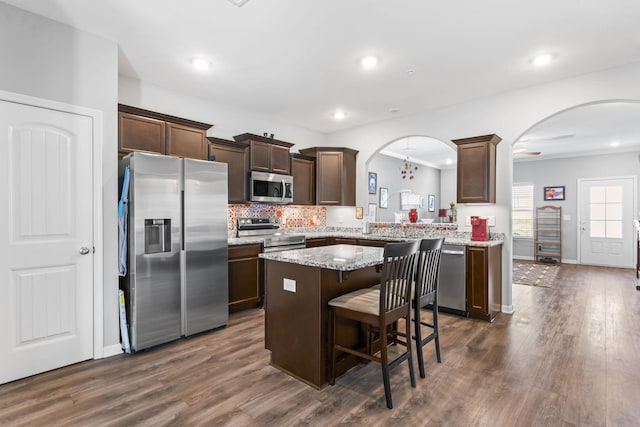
[[297, 59]]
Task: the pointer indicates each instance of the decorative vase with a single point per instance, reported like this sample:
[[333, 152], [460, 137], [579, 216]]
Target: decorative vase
[[413, 215]]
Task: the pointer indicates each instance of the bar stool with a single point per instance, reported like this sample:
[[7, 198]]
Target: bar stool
[[425, 293], [381, 307]]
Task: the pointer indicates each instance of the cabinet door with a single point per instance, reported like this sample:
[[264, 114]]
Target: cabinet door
[[303, 172], [260, 153], [244, 277], [137, 133], [184, 141], [477, 281], [477, 169], [237, 160], [329, 177], [280, 160]]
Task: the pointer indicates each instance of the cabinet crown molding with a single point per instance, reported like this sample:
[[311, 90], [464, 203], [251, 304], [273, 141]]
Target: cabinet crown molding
[[254, 137], [491, 139], [164, 117]]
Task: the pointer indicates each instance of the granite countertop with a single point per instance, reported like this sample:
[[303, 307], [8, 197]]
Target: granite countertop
[[461, 239], [336, 257]]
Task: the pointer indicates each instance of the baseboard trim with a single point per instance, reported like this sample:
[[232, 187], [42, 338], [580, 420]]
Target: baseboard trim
[[530, 258], [112, 350], [523, 258], [507, 309]]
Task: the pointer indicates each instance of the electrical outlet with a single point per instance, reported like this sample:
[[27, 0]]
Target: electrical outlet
[[491, 221], [289, 285], [467, 220]]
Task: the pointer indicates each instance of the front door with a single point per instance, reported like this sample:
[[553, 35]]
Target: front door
[[606, 221], [46, 243]]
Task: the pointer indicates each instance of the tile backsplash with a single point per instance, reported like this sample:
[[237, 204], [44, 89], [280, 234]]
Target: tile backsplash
[[290, 216]]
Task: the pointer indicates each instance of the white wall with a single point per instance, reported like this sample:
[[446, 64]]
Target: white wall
[[227, 121], [508, 115], [566, 172], [46, 59]]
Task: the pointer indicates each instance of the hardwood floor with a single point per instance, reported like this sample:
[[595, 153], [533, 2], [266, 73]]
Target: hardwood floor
[[570, 355]]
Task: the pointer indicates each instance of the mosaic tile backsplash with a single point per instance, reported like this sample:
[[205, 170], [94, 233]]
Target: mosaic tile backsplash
[[290, 216]]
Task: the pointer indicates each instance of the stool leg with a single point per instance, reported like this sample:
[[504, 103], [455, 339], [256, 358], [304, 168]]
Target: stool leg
[[332, 379], [418, 333], [385, 368], [407, 323], [435, 329]]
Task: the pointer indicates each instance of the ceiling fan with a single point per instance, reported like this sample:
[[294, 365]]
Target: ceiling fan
[[523, 152]]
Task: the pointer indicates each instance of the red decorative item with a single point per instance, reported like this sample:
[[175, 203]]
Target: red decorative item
[[413, 215]]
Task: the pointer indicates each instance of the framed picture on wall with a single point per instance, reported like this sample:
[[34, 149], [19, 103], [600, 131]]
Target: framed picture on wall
[[371, 213], [431, 203], [554, 193], [373, 182], [384, 197]]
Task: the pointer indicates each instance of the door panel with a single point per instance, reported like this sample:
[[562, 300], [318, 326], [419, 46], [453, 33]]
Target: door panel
[[606, 221], [47, 312]]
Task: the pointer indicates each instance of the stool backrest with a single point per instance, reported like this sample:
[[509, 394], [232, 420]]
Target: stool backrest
[[428, 270], [398, 270]]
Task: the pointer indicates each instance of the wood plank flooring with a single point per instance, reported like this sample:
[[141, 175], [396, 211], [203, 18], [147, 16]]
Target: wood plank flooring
[[570, 355]]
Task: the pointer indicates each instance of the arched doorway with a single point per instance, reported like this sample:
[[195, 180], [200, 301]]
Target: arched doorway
[[583, 151], [419, 165]]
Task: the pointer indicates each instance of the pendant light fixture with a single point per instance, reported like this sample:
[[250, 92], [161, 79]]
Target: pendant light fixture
[[408, 169]]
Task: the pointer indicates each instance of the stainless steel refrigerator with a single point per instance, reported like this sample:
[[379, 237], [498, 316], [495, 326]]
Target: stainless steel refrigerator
[[177, 280]]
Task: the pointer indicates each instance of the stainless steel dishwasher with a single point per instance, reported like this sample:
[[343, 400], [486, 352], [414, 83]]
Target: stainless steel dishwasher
[[452, 291]]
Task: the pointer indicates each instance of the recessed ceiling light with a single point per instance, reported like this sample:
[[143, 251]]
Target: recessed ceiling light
[[200, 64], [239, 3], [615, 143], [339, 115], [449, 161], [542, 60], [369, 62]]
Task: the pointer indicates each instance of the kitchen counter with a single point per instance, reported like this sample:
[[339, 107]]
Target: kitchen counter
[[334, 257], [451, 238]]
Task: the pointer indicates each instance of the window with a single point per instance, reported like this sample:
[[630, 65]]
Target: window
[[522, 210], [605, 209]]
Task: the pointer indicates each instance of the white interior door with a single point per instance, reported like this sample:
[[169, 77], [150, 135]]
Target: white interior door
[[606, 221], [46, 240]]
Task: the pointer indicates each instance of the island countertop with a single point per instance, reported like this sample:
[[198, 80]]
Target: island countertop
[[335, 257]]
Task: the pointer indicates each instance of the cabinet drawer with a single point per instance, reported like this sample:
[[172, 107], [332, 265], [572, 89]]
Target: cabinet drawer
[[244, 251]]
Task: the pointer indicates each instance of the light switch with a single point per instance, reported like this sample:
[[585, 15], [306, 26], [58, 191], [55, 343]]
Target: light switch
[[567, 217], [289, 285]]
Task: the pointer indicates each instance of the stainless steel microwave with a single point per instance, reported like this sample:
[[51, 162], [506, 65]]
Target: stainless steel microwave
[[271, 187]]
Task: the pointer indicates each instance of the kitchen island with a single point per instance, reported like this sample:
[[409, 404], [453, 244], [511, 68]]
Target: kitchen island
[[298, 286]]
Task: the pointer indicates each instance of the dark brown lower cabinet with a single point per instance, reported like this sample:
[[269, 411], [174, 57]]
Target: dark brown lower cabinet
[[484, 281], [245, 290], [375, 243], [342, 241], [316, 242]]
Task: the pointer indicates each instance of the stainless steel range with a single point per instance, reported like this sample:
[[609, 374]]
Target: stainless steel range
[[274, 239]]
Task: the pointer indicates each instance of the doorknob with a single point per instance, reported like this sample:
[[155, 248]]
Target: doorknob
[[84, 250]]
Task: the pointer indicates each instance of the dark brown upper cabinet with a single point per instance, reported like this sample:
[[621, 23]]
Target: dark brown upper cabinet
[[236, 156], [267, 154], [152, 132], [335, 175], [477, 169], [303, 170]]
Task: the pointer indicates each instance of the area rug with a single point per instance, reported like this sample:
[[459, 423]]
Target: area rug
[[534, 274]]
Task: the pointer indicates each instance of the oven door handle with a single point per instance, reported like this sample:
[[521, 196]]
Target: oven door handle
[[283, 189]]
